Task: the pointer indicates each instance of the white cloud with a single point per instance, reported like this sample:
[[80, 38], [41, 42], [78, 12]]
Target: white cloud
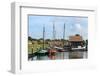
[[78, 27]]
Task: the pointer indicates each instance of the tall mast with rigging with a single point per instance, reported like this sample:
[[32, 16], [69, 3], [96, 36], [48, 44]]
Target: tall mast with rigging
[[43, 37], [54, 34], [64, 34]]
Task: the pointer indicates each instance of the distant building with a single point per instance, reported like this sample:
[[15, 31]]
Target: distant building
[[55, 43], [75, 41]]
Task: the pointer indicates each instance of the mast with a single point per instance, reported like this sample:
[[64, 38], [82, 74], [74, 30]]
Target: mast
[[43, 36], [64, 34], [54, 32]]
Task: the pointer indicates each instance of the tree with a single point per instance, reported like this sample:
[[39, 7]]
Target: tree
[[48, 40], [30, 38], [41, 39], [86, 44]]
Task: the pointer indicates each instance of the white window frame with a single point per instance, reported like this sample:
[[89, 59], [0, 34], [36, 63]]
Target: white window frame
[[19, 63]]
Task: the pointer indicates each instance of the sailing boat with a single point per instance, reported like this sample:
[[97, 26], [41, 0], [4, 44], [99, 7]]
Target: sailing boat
[[52, 51], [43, 51], [59, 48]]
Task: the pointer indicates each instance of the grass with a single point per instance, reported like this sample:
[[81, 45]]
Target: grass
[[36, 47]]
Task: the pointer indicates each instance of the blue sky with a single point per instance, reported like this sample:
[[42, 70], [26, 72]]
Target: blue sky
[[74, 25]]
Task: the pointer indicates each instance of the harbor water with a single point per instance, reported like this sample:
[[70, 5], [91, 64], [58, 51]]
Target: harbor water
[[62, 55]]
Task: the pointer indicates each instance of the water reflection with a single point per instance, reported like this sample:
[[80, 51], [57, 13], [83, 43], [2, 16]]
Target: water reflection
[[61, 55]]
